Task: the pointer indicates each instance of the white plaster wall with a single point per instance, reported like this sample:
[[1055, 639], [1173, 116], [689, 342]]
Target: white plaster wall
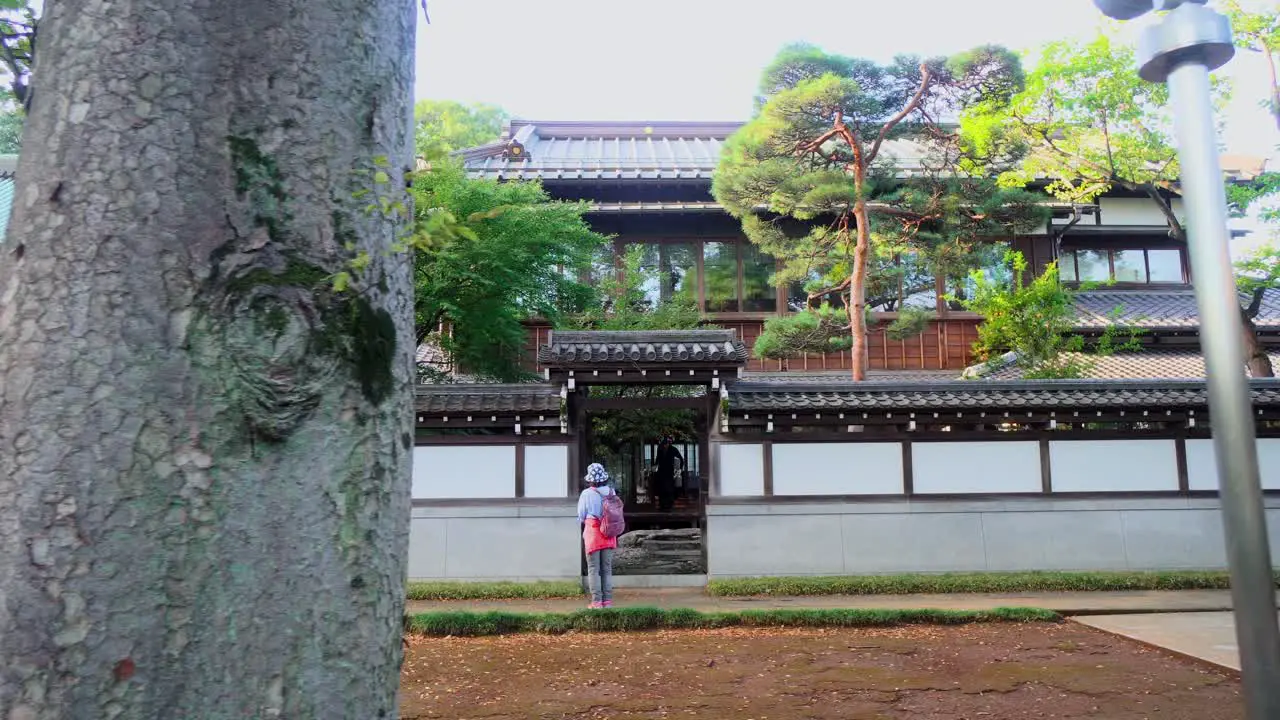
[[741, 469], [473, 471], [970, 535], [1113, 465], [546, 471], [1202, 468], [975, 467], [1134, 211], [494, 541], [837, 468]]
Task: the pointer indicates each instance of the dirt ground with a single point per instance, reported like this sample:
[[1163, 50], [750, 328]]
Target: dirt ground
[[1001, 672]]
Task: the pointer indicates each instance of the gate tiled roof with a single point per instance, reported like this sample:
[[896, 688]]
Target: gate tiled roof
[[572, 350]]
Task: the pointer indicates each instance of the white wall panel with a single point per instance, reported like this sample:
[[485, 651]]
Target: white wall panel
[[1134, 211], [741, 470], [546, 471], [975, 467], [837, 468], [1202, 468], [473, 471], [1113, 465]]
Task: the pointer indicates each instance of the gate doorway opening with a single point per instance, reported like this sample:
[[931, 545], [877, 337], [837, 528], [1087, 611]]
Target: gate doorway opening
[[655, 450]]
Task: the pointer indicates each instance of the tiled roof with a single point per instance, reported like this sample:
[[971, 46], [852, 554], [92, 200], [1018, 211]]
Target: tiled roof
[[576, 150], [1180, 364], [558, 150], [535, 398], [1152, 309], [711, 347], [969, 395]]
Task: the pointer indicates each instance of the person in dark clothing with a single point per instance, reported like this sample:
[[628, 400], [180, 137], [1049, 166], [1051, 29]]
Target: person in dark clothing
[[666, 476]]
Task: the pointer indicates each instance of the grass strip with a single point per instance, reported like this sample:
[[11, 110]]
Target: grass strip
[[633, 619], [547, 590], [969, 583]]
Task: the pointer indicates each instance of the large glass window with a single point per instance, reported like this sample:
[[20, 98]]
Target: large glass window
[[1165, 266], [758, 295], [1092, 266], [989, 260], [720, 273], [1135, 265], [1130, 266], [670, 272], [797, 297]]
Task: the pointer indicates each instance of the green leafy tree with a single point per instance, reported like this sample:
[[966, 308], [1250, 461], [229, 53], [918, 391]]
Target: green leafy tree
[[443, 126], [817, 152], [1258, 192], [1255, 275], [11, 121], [1034, 320], [513, 254], [1086, 122], [1257, 28], [17, 46]]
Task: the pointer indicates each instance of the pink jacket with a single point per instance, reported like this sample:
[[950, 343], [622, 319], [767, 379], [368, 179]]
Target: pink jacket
[[595, 540]]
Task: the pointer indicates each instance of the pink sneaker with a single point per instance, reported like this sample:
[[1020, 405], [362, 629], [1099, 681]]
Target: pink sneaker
[[607, 603], [595, 606]]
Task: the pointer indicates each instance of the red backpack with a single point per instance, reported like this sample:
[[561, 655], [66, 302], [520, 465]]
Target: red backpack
[[612, 522]]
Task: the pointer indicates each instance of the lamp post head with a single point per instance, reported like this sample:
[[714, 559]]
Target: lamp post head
[[1130, 9]]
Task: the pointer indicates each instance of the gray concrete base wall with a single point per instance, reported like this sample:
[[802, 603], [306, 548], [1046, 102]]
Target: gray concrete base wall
[[903, 536], [496, 540]]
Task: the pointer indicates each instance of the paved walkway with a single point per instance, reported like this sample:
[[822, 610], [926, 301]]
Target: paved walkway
[[1209, 636], [1078, 603]]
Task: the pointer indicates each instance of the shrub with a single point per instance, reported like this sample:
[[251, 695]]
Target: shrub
[[635, 619], [492, 590], [970, 583]]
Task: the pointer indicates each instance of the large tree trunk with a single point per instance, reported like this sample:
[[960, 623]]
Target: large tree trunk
[[858, 291], [1256, 357], [204, 452]]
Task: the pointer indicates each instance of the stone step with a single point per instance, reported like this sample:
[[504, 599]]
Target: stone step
[[670, 546]]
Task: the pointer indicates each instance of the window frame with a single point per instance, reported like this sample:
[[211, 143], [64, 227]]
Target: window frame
[[1111, 249], [699, 243]]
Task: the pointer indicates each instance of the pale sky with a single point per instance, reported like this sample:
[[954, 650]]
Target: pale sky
[[700, 59]]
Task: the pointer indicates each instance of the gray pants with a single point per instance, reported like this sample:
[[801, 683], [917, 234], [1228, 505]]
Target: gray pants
[[600, 575]]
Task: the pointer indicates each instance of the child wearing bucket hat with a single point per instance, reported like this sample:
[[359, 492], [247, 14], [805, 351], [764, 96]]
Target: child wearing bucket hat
[[600, 513]]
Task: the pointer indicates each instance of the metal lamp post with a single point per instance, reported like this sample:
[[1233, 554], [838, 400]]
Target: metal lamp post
[[1187, 43]]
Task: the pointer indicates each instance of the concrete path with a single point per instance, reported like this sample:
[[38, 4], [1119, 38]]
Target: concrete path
[[1078, 603], [1209, 636]]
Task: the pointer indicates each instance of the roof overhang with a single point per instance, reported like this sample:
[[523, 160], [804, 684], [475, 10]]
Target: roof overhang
[[612, 357]]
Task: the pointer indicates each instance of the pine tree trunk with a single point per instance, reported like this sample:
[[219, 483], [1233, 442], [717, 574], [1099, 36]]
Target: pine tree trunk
[[1256, 358], [204, 451], [858, 292]]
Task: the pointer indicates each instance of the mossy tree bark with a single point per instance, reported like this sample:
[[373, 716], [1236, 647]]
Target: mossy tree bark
[[204, 450]]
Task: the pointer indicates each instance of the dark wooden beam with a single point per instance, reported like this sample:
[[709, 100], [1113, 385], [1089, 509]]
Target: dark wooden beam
[[908, 473], [1184, 477], [767, 451], [1046, 467], [520, 471]]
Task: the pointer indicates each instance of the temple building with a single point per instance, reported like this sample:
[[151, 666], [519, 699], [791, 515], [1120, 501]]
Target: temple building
[[937, 463]]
